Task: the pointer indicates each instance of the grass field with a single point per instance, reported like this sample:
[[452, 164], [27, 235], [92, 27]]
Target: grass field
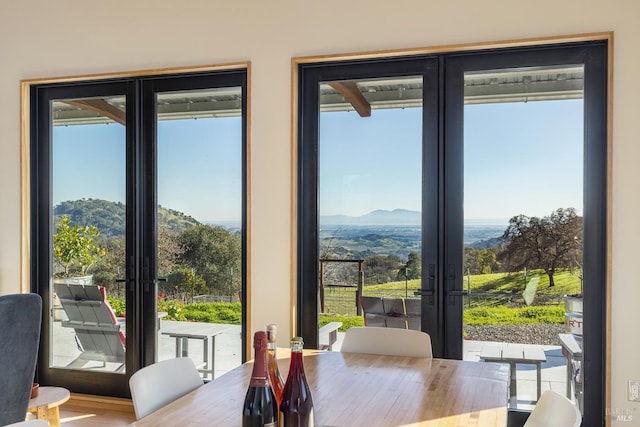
[[496, 298]]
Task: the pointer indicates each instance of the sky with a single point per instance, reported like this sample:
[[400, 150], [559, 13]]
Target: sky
[[198, 165], [520, 158]]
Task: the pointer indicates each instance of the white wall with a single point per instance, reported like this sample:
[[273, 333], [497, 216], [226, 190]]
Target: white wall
[[43, 38]]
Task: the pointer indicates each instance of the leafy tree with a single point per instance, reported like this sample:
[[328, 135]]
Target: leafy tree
[[183, 283], [215, 254], [480, 261], [111, 266], [380, 269], [413, 267], [75, 248], [550, 243]]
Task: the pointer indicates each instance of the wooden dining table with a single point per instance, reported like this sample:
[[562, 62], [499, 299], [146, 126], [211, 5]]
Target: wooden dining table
[[353, 389]]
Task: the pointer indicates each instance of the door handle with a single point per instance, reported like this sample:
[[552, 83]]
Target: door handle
[[451, 284], [430, 291], [457, 293]]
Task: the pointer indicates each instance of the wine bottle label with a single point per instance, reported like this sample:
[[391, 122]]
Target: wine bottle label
[[311, 418], [274, 424]]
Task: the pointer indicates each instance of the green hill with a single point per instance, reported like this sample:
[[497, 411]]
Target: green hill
[[109, 217]]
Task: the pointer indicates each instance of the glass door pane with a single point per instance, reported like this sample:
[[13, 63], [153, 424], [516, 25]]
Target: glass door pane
[[523, 208], [88, 195], [370, 203], [199, 227]]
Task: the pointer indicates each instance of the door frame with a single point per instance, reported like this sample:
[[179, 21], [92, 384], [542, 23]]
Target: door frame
[[597, 199], [32, 272]]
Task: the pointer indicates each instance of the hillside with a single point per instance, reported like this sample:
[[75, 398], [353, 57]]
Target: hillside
[[109, 217]]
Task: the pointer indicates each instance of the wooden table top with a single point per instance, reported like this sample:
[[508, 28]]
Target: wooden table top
[[351, 389]]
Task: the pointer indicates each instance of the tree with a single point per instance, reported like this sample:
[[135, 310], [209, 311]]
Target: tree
[[75, 248], [381, 268], [169, 250], [480, 261], [183, 283], [215, 254], [413, 267], [550, 243]]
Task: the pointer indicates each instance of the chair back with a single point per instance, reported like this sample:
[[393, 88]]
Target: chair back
[[20, 321], [387, 341], [156, 385], [98, 332], [554, 410]]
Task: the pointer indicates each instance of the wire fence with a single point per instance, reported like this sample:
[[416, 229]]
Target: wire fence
[[343, 300]]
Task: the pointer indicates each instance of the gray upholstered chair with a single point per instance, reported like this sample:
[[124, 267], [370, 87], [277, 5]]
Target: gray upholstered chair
[[20, 320]]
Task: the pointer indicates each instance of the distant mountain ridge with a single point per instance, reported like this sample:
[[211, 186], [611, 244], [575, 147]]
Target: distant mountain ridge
[[377, 217]]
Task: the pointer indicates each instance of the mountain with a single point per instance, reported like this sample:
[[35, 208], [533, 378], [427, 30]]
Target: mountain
[[109, 217], [377, 217]]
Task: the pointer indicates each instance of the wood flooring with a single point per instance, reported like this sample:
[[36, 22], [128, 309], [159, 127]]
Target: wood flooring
[[95, 411]]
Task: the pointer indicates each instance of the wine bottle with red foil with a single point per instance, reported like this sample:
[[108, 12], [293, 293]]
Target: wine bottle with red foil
[[277, 382], [296, 408], [260, 406]]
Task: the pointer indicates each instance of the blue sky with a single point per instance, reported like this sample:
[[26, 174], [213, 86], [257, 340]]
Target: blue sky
[[198, 165], [520, 158]]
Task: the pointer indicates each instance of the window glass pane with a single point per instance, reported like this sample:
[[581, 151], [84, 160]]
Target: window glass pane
[[370, 201], [523, 207], [199, 227], [88, 193]]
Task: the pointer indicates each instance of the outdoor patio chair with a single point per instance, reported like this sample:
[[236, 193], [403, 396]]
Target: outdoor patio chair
[[98, 334], [20, 317], [373, 311], [413, 311], [395, 313]]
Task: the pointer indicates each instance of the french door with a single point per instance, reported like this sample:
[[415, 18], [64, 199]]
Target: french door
[[440, 89], [124, 172]]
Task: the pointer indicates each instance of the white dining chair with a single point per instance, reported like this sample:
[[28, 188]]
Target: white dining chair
[[387, 341], [154, 386], [554, 410]]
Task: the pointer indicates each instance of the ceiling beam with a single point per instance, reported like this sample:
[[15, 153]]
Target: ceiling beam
[[352, 94], [101, 107]]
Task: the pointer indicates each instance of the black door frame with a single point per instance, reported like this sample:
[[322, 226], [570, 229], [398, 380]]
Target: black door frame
[[140, 215], [442, 270], [310, 75]]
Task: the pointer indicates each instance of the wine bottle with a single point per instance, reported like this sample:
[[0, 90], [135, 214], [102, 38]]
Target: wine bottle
[[260, 406], [296, 408], [277, 382]]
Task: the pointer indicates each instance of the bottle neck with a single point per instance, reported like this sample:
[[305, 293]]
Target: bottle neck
[[259, 376], [296, 366], [271, 348]]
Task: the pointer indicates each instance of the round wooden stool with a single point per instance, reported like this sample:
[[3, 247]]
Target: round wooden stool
[[45, 405]]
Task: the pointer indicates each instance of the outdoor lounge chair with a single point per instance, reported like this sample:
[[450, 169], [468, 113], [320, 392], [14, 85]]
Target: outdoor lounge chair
[[98, 333]]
